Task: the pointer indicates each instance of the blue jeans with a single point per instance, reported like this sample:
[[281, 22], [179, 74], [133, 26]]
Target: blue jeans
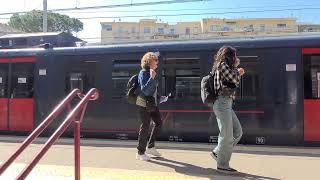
[[230, 130]]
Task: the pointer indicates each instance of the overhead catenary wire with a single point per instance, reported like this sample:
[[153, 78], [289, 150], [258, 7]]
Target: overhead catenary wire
[[132, 4], [199, 14], [114, 6], [79, 10], [189, 9], [191, 14], [194, 14]]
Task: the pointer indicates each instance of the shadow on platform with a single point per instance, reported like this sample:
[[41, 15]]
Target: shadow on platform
[[303, 154], [192, 170]]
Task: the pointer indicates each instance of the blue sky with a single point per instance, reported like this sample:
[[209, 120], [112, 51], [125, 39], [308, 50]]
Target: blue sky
[[308, 13], [223, 6]]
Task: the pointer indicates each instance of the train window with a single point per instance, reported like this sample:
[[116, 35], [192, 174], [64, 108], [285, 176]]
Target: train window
[[81, 76], [163, 82], [249, 83], [181, 77], [126, 64], [249, 86], [312, 76], [79, 80], [182, 61], [121, 73], [4, 43], [3, 80], [22, 80], [188, 83], [20, 42], [76, 81]]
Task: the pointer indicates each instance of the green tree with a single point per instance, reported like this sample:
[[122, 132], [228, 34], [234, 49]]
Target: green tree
[[32, 22]]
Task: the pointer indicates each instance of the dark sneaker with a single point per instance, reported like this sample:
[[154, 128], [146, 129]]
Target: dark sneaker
[[214, 155], [227, 170]]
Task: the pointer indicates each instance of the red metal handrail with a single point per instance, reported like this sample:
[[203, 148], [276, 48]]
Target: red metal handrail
[[45, 123], [91, 95]]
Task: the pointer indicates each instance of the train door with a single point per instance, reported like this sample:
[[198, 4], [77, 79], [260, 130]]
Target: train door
[[184, 112], [123, 67], [311, 62], [16, 92], [4, 71]]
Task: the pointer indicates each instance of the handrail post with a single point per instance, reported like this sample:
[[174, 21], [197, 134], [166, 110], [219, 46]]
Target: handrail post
[[35, 133], [77, 150], [76, 131], [93, 94]]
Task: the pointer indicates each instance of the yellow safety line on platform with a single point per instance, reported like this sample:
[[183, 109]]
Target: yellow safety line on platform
[[50, 172]]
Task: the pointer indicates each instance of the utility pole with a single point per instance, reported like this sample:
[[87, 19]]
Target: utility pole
[[45, 16]]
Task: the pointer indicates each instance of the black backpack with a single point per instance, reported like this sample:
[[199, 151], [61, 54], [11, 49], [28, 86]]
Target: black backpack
[[132, 87], [208, 94]]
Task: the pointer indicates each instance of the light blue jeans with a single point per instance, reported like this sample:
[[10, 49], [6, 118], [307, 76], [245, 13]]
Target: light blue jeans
[[230, 130]]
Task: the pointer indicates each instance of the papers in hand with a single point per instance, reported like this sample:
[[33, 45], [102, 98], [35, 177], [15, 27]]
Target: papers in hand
[[163, 99]]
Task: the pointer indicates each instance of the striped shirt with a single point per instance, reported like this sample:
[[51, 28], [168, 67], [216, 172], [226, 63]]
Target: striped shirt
[[225, 75]]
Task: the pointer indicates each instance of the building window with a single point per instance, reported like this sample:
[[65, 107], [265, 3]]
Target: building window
[[281, 26], [226, 28], [160, 30], [215, 28], [249, 28], [262, 27], [311, 30], [120, 30], [147, 30], [172, 31], [107, 27], [133, 30], [187, 30], [233, 27], [195, 30]]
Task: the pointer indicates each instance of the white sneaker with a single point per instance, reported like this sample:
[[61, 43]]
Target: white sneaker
[[142, 157], [153, 151]]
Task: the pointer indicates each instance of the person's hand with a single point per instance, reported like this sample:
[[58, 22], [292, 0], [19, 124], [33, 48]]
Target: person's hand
[[153, 73], [241, 71]]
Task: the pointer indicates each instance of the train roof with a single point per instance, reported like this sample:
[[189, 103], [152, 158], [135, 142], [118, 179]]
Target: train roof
[[312, 40]]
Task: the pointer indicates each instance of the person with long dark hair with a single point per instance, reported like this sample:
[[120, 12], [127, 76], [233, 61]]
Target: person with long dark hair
[[226, 80]]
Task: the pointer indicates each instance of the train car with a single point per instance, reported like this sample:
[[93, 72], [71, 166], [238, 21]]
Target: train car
[[277, 102]]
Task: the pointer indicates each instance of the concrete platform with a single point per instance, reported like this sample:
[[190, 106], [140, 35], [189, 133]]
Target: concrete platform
[[115, 159]]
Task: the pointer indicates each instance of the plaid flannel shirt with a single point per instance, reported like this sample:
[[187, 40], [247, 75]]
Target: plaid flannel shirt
[[226, 74]]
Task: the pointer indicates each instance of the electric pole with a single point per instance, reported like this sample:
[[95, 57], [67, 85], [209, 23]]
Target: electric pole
[[45, 16]]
